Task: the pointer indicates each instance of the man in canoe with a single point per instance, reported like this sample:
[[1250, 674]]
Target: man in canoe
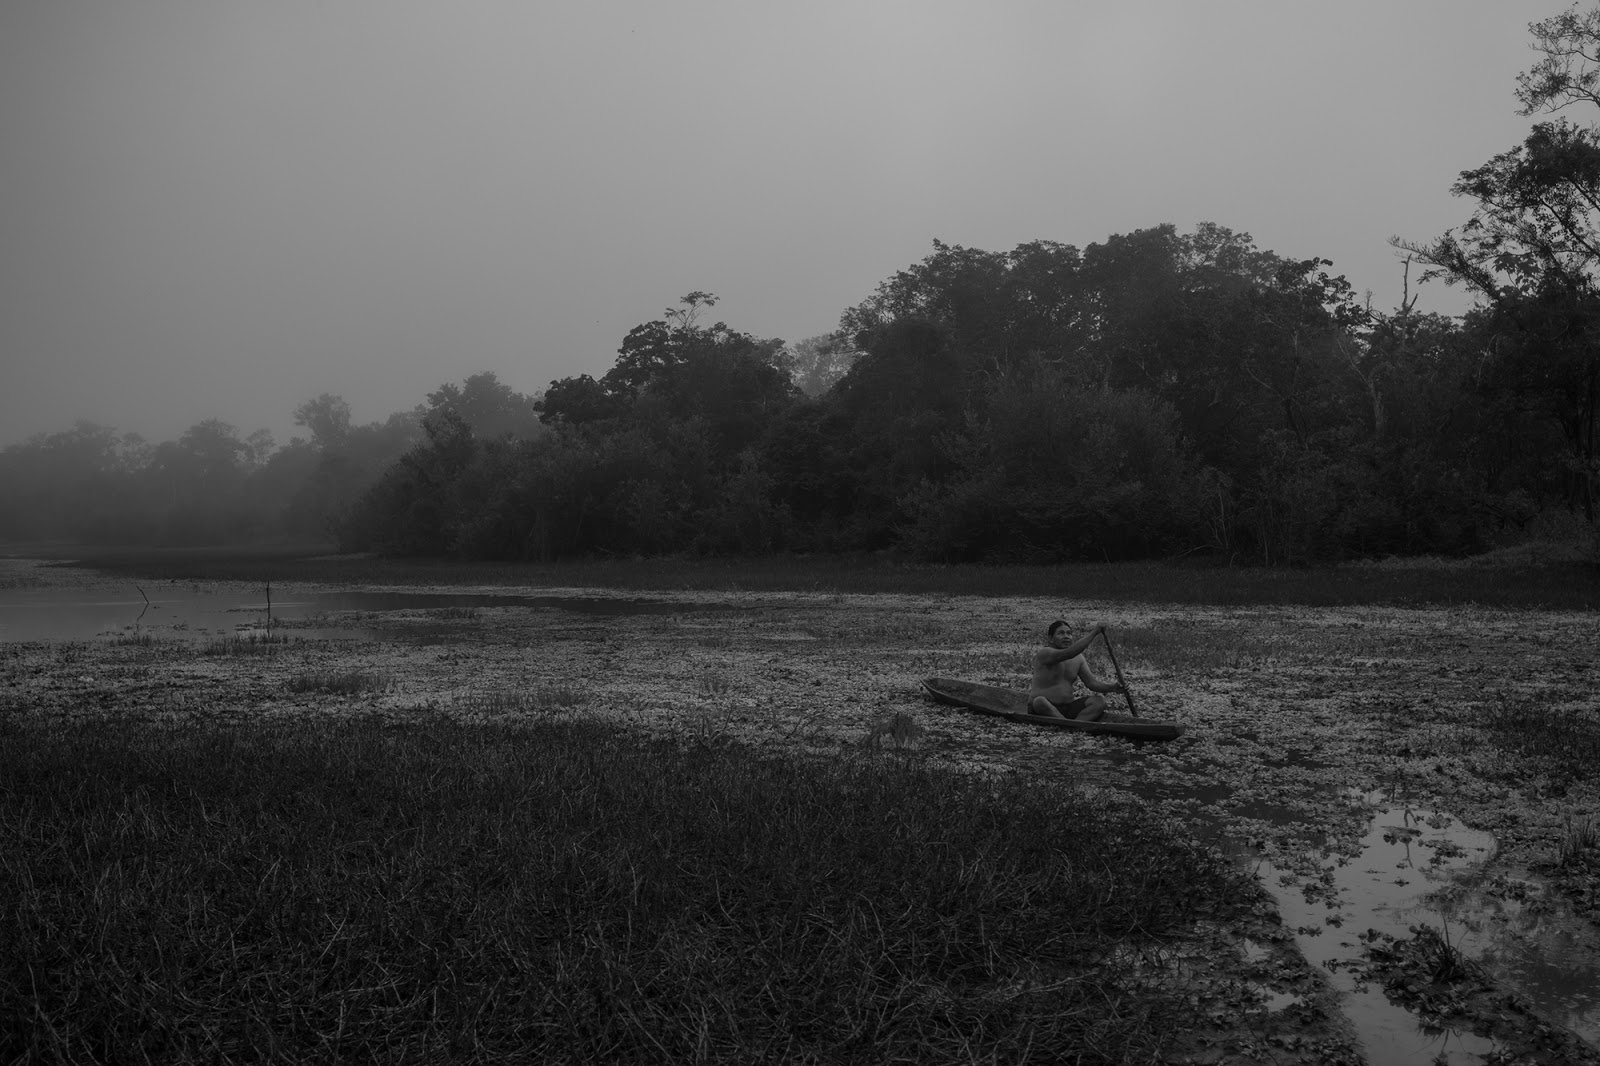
[[1057, 668]]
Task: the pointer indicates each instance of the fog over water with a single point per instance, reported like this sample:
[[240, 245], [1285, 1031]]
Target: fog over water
[[223, 210]]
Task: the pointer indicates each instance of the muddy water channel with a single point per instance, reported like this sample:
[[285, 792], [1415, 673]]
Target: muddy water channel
[[1405, 867], [1416, 868], [1346, 757]]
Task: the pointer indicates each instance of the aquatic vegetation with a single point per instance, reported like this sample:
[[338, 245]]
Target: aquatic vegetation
[[1439, 960], [1448, 991], [1560, 741]]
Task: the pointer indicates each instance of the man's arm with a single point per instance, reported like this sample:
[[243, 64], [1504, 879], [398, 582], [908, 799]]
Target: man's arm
[[1094, 684]]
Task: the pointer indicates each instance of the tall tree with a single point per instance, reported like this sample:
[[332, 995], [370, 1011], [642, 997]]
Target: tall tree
[[327, 418], [488, 406], [1531, 250], [674, 369], [1569, 71]]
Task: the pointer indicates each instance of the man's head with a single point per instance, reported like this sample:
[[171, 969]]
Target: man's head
[[1059, 631]]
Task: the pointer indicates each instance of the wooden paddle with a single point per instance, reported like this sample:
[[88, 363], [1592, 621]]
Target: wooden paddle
[[1106, 637]]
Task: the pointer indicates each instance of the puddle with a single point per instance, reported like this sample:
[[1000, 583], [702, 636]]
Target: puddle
[[1412, 867], [1419, 867], [77, 614], [1531, 941]]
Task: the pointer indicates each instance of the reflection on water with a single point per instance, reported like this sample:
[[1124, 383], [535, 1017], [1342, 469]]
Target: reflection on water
[[1531, 941], [78, 614], [1419, 867], [1414, 867]]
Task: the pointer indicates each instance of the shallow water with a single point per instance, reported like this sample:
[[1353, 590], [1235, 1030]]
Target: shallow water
[[1414, 866], [1421, 867], [177, 611]]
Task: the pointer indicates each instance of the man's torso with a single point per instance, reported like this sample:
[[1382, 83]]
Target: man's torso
[[1052, 680]]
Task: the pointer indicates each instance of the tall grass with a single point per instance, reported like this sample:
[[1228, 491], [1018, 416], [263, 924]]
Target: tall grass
[[265, 644], [438, 892], [1580, 841]]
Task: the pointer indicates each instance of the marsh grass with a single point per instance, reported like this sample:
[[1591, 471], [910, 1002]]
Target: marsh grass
[[337, 682], [713, 685], [567, 892], [1405, 965], [1580, 840], [137, 638], [1563, 742], [524, 700], [704, 729], [1439, 959], [899, 731], [268, 643]]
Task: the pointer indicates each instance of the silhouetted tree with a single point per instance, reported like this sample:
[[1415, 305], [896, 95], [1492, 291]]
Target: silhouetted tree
[[1531, 251], [488, 406]]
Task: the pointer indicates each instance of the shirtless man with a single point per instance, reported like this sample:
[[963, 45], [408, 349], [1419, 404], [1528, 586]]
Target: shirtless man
[[1057, 667]]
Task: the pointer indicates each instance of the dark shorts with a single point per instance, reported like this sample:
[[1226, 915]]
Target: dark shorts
[[1070, 709]]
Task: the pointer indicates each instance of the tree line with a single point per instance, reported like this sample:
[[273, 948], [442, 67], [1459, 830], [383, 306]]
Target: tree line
[[1155, 393], [91, 484]]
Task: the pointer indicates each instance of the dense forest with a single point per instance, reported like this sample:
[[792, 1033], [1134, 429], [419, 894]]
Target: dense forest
[[1155, 393]]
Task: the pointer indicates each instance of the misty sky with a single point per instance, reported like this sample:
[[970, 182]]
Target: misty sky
[[221, 208]]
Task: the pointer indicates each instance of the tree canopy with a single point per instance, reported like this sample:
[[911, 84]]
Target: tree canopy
[[1531, 252]]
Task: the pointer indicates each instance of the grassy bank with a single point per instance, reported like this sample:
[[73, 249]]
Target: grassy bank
[[1515, 578], [563, 891]]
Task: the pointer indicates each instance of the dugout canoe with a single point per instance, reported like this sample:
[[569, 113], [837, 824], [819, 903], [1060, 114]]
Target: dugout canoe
[[1012, 704]]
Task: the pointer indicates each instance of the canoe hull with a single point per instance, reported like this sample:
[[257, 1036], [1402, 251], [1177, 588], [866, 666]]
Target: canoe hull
[[1011, 704]]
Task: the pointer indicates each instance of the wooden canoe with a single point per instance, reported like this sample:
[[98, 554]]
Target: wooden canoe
[[1012, 704]]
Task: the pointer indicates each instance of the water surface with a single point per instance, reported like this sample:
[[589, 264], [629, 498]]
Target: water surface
[[1421, 867], [186, 610]]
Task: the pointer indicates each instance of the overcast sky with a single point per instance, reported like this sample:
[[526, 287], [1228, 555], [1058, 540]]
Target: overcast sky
[[222, 208]]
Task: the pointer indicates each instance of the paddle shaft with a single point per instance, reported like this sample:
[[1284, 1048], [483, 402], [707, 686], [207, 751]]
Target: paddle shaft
[[1105, 637]]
